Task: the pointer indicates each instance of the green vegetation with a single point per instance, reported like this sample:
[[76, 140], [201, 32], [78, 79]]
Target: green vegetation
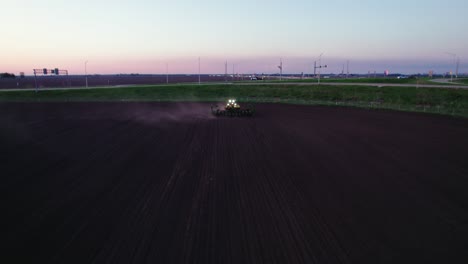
[[433, 100], [461, 81], [382, 80]]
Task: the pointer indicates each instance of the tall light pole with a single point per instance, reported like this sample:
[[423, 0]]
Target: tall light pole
[[455, 59], [280, 67], [199, 71], [86, 73], [315, 69]]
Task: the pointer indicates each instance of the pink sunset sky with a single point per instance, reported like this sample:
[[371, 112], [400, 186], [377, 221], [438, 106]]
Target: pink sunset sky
[[143, 36]]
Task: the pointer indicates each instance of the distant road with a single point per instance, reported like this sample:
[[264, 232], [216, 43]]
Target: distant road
[[445, 81], [440, 85], [99, 87]]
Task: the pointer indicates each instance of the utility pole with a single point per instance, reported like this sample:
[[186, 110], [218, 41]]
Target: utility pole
[[458, 65], [199, 71], [319, 67]]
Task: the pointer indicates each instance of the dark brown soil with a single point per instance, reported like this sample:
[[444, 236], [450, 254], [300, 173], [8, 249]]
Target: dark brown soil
[[169, 183]]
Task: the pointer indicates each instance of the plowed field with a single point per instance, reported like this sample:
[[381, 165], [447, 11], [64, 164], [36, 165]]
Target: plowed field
[[169, 183]]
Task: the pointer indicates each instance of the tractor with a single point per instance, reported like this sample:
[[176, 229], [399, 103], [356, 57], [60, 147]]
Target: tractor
[[232, 109]]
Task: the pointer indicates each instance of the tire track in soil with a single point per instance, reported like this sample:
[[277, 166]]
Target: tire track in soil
[[285, 192]]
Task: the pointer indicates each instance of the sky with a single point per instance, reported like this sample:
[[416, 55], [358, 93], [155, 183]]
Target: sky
[[143, 36]]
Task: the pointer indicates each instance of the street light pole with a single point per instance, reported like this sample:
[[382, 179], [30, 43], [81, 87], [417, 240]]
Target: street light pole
[[86, 73], [199, 78]]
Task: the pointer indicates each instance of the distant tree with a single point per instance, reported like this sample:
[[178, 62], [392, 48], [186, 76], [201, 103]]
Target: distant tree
[[7, 75]]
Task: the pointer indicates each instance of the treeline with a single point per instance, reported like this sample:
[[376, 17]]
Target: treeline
[[7, 75]]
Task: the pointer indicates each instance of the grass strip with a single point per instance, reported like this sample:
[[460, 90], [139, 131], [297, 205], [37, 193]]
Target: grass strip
[[432, 100]]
